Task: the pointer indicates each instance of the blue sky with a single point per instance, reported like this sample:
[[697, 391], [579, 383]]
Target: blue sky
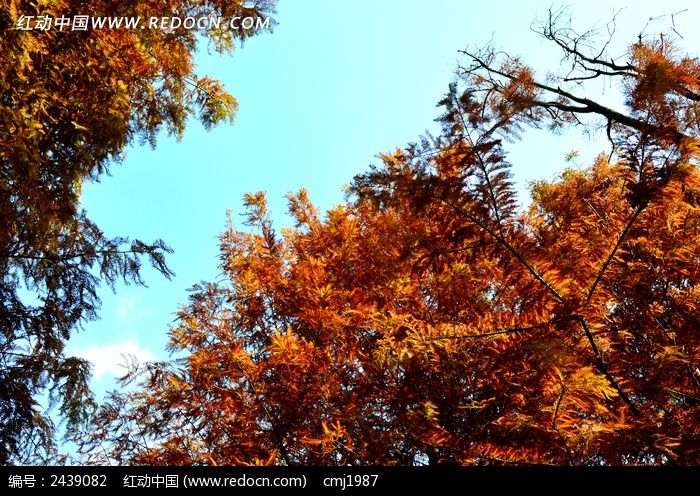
[[337, 83]]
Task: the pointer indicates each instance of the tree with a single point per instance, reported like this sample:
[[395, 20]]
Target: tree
[[72, 101], [430, 320]]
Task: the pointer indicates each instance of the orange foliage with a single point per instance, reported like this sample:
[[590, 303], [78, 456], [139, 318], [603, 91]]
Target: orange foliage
[[429, 320]]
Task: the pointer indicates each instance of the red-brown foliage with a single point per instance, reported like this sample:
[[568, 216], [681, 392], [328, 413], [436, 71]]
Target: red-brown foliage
[[431, 321]]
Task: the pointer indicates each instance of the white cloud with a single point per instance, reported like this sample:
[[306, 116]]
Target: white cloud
[[125, 306], [110, 359]]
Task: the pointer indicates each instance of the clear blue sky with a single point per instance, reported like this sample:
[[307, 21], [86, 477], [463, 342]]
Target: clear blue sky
[[335, 84]]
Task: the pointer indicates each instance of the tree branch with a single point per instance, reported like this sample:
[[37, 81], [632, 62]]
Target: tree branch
[[511, 330], [620, 239], [555, 415], [76, 255], [589, 105], [507, 245], [550, 34], [603, 369]]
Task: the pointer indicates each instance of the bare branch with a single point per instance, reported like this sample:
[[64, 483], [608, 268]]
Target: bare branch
[[589, 106]]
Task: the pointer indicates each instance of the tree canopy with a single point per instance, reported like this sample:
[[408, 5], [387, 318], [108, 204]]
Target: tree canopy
[[431, 320], [71, 102]]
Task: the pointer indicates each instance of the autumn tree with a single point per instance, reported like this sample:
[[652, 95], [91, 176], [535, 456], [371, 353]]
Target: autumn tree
[[431, 320], [71, 102]]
